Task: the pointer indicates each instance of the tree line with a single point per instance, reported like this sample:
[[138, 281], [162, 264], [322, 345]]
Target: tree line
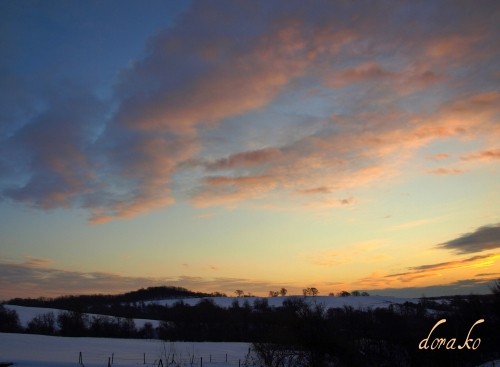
[[86, 303]]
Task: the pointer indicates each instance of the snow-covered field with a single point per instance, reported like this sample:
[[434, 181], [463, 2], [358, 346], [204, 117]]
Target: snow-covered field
[[26, 350]]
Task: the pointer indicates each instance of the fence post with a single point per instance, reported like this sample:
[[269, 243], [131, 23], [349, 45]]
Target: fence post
[[144, 358], [109, 361], [201, 361], [239, 362], [80, 358], [113, 358], [173, 356]]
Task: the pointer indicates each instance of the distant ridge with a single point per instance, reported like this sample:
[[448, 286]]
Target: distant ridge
[[84, 302]]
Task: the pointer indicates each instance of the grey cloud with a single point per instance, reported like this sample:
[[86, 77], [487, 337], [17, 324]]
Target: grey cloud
[[483, 238], [51, 155]]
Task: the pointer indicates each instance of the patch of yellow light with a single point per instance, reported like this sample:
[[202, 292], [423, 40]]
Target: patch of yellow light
[[486, 263]]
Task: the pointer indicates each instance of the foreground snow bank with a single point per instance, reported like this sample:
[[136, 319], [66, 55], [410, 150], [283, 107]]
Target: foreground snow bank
[[26, 350]]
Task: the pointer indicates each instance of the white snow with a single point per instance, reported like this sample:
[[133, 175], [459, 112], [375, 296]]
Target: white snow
[[26, 350]]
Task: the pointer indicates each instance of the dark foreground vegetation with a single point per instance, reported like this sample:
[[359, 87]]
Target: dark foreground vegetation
[[302, 332]]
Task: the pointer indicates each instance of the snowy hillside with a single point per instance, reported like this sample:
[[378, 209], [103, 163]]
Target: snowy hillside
[[26, 314], [327, 301]]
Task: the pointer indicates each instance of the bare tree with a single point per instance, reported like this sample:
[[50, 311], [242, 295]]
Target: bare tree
[[283, 292], [239, 292]]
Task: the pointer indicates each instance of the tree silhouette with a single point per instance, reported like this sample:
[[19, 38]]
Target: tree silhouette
[[239, 292], [312, 291]]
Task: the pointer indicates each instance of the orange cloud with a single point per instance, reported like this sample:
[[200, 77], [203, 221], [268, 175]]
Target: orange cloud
[[446, 171], [485, 155]]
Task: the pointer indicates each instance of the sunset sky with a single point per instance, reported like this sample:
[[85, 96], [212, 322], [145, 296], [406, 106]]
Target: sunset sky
[[254, 145]]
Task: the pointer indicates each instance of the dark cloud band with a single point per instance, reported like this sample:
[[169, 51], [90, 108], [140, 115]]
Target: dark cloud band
[[483, 238]]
